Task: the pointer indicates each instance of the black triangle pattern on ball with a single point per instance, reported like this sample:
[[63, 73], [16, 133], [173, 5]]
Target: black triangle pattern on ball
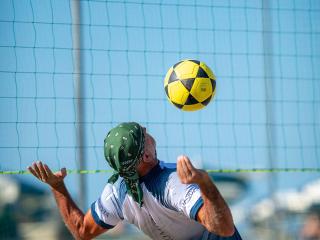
[[195, 61], [201, 73], [205, 102], [188, 83], [191, 100], [166, 89], [173, 77], [213, 82], [177, 105], [177, 64]]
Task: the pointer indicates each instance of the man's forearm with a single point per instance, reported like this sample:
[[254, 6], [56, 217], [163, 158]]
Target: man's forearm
[[216, 215], [71, 214]]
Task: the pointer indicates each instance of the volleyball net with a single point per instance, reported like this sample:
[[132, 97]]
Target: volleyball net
[[68, 73]]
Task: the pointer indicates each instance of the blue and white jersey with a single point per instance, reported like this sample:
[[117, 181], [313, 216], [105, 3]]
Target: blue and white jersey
[[169, 207]]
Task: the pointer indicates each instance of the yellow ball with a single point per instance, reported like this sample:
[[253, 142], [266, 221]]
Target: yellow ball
[[190, 85]]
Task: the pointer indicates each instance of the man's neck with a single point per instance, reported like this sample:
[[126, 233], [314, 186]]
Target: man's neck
[[146, 167]]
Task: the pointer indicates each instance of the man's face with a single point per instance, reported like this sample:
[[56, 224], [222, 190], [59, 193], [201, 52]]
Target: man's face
[[150, 144]]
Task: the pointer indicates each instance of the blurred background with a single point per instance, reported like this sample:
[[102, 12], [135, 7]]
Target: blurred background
[[71, 70]]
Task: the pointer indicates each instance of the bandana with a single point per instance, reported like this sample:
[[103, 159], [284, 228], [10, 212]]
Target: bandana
[[123, 149]]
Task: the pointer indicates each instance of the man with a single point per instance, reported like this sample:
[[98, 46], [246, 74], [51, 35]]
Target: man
[[311, 226], [165, 203]]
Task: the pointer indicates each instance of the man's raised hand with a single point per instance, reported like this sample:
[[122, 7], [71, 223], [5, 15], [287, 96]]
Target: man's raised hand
[[187, 173], [44, 174]]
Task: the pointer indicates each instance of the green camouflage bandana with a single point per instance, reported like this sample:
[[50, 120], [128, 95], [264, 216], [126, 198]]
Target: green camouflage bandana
[[123, 149]]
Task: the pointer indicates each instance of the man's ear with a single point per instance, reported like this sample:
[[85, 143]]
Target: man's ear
[[146, 158]]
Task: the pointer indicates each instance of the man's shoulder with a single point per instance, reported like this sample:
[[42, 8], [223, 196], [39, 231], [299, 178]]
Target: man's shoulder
[[169, 172], [118, 189], [168, 166], [166, 174], [157, 183]]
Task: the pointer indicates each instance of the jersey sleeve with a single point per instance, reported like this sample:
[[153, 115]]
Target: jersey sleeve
[[106, 210], [185, 198], [211, 236]]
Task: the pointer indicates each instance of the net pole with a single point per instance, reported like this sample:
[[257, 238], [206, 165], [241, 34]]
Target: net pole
[[270, 118], [268, 72], [79, 90]]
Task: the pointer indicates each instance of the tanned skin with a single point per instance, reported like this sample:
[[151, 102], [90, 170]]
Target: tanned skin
[[81, 226], [214, 214]]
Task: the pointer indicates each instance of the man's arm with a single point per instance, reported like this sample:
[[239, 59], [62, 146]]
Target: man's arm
[[214, 214], [81, 226]]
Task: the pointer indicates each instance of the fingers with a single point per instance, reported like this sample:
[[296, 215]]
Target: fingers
[[180, 170], [61, 174], [183, 171], [178, 167], [37, 169], [185, 167], [47, 170], [43, 174], [189, 165], [64, 172], [187, 173], [33, 172]]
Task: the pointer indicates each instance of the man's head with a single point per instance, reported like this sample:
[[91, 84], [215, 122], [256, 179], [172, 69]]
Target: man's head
[[149, 157], [130, 151]]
